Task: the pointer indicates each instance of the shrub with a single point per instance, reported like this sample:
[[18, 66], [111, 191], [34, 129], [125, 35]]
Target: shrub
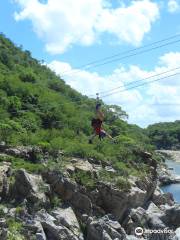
[[85, 179], [29, 76], [123, 183]]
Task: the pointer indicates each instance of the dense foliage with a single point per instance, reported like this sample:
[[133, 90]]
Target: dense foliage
[[38, 108], [165, 135]]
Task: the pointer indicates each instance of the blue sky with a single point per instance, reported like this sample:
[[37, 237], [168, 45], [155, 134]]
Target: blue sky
[[67, 34]]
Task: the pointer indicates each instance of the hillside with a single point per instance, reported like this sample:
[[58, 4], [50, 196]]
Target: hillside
[[56, 186], [38, 108], [165, 135]]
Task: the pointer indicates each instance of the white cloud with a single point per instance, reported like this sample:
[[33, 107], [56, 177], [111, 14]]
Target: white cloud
[[155, 102], [129, 23], [63, 23], [173, 6]]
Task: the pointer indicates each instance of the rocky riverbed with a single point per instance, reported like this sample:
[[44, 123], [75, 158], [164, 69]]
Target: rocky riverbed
[[53, 205], [174, 155]]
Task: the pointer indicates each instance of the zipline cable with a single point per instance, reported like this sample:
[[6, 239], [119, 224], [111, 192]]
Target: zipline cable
[[134, 82], [146, 83], [103, 96], [93, 65]]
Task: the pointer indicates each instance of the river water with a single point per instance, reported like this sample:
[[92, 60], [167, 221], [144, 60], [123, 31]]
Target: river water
[[173, 188]]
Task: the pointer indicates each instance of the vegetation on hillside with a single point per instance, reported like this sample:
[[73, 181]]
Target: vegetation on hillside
[[165, 135], [38, 108]]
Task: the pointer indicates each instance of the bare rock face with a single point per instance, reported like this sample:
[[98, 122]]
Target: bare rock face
[[4, 186], [27, 152], [160, 198], [118, 202], [60, 184], [67, 218], [105, 229], [69, 191], [177, 237], [33, 227], [77, 165], [28, 186], [3, 229], [83, 166], [172, 216], [166, 177], [59, 227], [57, 232], [154, 218], [136, 217]]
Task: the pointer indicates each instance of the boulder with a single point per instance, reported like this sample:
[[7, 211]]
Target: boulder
[[69, 191], [166, 177], [172, 216], [83, 166], [60, 184], [117, 202], [148, 184], [149, 219], [4, 185], [40, 236], [3, 234], [28, 186], [177, 232], [57, 232], [160, 198], [81, 202], [131, 237], [105, 228], [52, 230], [34, 228], [137, 217], [3, 229], [67, 218], [27, 152]]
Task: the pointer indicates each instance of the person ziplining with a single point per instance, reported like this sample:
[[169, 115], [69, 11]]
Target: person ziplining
[[96, 124]]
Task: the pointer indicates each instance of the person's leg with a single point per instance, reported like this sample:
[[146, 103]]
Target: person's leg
[[104, 134], [109, 136]]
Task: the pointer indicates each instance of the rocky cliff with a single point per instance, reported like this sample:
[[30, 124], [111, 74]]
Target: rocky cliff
[[78, 201]]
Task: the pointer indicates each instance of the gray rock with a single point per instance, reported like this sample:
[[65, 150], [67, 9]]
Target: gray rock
[[117, 202], [160, 198], [3, 223], [137, 217], [11, 212], [172, 216], [68, 190], [154, 217], [4, 185], [67, 218], [53, 229], [26, 152], [3, 229], [60, 184], [3, 234], [57, 232], [105, 228], [35, 228], [149, 219], [177, 237], [81, 203], [28, 186], [40, 236], [43, 216], [131, 237]]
